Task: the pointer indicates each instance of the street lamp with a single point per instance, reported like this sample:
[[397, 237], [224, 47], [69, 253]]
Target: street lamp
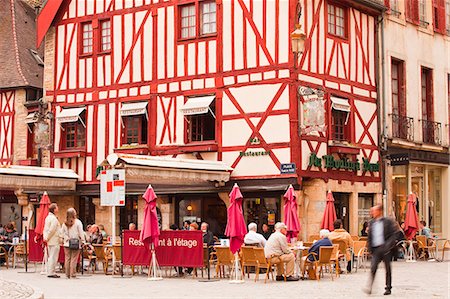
[[298, 38]]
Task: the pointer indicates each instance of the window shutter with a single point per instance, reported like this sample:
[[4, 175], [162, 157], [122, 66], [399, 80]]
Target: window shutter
[[408, 10], [441, 9], [415, 11], [387, 3]]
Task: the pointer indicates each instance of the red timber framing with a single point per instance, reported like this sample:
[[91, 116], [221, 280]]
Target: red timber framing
[[7, 99], [149, 62]]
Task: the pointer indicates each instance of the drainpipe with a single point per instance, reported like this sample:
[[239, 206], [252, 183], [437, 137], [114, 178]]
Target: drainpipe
[[382, 115]]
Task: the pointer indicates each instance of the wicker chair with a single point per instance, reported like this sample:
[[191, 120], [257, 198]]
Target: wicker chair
[[445, 246], [424, 248], [248, 259], [360, 253], [325, 254], [335, 259], [224, 259], [262, 263], [4, 254], [313, 238]]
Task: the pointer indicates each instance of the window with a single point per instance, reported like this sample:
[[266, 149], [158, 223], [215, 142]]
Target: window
[[340, 112], [397, 88], [208, 17], [75, 135], [337, 21], [87, 38], [105, 42], [36, 57], [188, 21], [32, 151], [198, 19], [134, 129], [412, 11], [33, 94], [447, 16], [200, 118], [423, 13], [394, 6], [428, 126]]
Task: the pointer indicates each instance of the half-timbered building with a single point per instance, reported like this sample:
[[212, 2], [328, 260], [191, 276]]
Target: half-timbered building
[[195, 95]]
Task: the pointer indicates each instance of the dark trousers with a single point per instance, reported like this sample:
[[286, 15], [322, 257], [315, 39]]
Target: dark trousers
[[378, 255]]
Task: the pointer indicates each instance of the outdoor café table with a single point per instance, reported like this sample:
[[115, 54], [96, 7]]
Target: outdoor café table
[[298, 252]]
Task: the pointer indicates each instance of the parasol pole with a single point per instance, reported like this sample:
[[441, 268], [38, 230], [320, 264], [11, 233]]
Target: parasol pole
[[236, 275], [154, 272], [411, 256]]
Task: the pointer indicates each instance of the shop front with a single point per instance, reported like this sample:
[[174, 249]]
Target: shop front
[[427, 178]]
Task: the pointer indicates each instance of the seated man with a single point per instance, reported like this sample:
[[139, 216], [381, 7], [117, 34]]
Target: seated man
[[425, 230], [277, 252], [315, 248], [340, 234], [252, 237]]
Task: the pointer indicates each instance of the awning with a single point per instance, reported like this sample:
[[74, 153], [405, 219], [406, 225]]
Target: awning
[[129, 109], [197, 105], [340, 104], [32, 118], [32, 178], [70, 115], [168, 170]]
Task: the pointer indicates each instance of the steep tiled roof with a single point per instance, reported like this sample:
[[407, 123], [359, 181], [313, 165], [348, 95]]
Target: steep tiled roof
[[18, 67]]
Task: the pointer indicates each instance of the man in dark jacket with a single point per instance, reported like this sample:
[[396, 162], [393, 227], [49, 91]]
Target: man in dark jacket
[[380, 241], [208, 237]]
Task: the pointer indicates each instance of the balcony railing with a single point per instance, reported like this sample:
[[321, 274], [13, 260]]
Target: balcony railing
[[402, 127], [431, 132]]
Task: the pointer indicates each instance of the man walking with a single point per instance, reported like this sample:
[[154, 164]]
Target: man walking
[[52, 238], [380, 240]]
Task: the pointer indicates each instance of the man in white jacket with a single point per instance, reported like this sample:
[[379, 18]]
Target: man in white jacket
[[52, 236]]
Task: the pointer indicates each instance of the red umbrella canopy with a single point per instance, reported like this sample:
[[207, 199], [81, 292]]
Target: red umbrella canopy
[[290, 213], [411, 220], [43, 212], [329, 215], [236, 228], [150, 227]]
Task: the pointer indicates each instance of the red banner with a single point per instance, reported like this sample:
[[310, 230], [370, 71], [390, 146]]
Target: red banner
[[36, 251], [175, 248]]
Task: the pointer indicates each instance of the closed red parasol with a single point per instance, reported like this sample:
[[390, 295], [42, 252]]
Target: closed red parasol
[[43, 212], [150, 228], [236, 228], [411, 220], [291, 214], [329, 215]]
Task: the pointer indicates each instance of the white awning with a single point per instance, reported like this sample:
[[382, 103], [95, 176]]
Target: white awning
[[197, 105], [69, 115], [340, 104], [32, 118], [129, 109]]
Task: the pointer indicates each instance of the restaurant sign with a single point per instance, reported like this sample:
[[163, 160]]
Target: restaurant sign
[[329, 162], [254, 153]]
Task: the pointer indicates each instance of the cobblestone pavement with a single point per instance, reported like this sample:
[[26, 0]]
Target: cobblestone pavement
[[14, 290], [410, 280]]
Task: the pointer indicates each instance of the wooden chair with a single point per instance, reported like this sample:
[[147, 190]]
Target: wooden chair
[[335, 259], [248, 259], [355, 238], [224, 259], [262, 263], [19, 252], [117, 260], [313, 238], [311, 266], [103, 255], [4, 254], [362, 238], [208, 258], [343, 250], [92, 259], [360, 253], [423, 247], [445, 246], [325, 254], [307, 244]]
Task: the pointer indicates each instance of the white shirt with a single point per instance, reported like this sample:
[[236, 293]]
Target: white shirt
[[378, 233], [253, 237]]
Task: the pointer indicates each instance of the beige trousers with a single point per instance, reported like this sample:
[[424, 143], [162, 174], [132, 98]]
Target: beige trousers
[[53, 254], [71, 260], [288, 259]]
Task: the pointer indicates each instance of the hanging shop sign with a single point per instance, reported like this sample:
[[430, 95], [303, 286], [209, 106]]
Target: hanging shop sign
[[330, 162], [112, 187], [288, 168]]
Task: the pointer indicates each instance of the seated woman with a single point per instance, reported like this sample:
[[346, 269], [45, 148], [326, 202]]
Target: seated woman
[[95, 237]]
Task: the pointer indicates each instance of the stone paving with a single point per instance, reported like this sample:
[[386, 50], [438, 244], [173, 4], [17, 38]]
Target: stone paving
[[410, 280], [15, 290]]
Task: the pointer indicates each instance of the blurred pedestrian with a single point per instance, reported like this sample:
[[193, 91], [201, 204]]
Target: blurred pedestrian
[[381, 239]]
